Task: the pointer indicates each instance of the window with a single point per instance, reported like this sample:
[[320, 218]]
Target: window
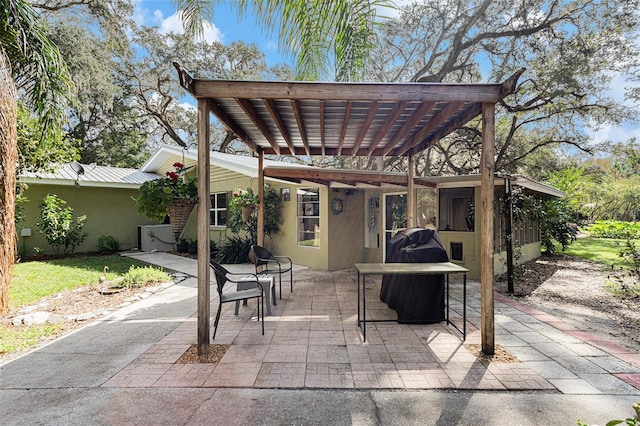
[[456, 209], [308, 217], [218, 212]]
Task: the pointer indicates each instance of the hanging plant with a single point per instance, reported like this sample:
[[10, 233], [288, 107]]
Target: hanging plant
[[246, 198], [156, 196]]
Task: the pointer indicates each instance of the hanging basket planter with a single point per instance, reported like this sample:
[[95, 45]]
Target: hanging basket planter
[[179, 211], [246, 213]]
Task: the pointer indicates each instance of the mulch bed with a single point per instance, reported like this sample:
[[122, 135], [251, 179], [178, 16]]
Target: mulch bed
[[500, 355], [213, 353]]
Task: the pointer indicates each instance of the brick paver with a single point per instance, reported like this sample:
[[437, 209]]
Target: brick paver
[[312, 341]]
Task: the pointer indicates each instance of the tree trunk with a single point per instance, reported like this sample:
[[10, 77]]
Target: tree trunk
[[9, 155]]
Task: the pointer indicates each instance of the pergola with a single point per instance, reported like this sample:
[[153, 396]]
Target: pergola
[[344, 119]]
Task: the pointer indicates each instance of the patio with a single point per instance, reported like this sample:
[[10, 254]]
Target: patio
[[312, 341]]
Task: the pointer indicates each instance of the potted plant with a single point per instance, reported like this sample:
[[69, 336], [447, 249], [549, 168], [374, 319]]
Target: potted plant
[[192, 247], [182, 246], [174, 195], [245, 200]]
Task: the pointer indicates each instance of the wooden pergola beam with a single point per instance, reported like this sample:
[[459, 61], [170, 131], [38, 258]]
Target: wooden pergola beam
[[418, 115], [204, 212], [277, 118], [432, 125], [443, 92], [487, 195], [365, 127], [252, 113], [329, 175], [300, 120]]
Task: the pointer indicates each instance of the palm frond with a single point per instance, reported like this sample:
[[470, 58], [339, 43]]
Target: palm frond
[[193, 14], [38, 67], [325, 37]]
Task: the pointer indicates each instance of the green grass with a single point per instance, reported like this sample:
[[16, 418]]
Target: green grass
[[34, 280], [15, 339], [600, 250]]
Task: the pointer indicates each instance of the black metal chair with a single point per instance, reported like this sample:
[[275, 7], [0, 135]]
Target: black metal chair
[[267, 263], [254, 292]]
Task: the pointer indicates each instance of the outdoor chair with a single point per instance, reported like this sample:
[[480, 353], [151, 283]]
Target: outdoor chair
[[243, 291], [267, 263]]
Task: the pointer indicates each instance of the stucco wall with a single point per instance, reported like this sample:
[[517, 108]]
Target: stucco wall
[[109, 211], [346, 230]]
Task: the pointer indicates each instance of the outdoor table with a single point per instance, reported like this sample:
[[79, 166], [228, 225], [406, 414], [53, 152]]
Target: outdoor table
[[268, 289], [445, 268]]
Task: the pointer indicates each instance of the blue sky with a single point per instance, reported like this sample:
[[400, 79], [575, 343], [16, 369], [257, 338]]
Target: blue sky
[[226, 28]]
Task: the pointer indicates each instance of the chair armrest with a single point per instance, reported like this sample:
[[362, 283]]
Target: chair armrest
[[248, 277], [284, 257]]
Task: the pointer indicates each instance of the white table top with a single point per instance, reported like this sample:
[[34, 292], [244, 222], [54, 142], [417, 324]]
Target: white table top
[[409, 268]]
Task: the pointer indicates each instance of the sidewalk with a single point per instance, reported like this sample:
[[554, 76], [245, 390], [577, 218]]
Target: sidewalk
[[312, 367]]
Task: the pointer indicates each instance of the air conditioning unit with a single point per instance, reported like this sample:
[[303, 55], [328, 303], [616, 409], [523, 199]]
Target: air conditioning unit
[[155, 237]]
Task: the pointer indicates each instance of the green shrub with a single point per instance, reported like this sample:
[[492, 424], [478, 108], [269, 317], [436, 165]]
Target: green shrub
[[234, 250], [108, 244], [142, 276], [625, 281], [58, 226], [613, 229]]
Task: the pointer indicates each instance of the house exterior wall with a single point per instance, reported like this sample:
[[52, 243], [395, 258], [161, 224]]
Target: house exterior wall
[[343, 239], [285, 243], [527, 252], [346, 230], [109, 211]]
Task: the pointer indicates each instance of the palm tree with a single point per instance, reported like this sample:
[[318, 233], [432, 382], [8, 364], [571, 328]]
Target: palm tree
[[30, 62], [326, 37]]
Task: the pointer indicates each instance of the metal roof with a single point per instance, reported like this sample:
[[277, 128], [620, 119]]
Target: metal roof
[[323, 118], [334, 178], [91, 175]]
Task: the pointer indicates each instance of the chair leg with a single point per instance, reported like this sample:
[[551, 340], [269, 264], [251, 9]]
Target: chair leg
[[262, 300], [272, 284], [280, 280], [291, 277], [237, 307], [215, 324]]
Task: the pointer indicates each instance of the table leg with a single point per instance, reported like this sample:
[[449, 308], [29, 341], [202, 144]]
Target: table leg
[[464, 307], [448, 322], [358, 299], [364, 308]]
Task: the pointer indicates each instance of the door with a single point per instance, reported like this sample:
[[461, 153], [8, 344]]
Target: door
[[395, 216]]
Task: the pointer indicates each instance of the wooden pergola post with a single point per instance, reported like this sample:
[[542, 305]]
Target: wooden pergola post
[[487, 195], [411, 197], [260, 227], [204, 207]]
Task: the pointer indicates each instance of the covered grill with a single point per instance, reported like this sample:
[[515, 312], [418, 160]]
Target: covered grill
[[417, 299]]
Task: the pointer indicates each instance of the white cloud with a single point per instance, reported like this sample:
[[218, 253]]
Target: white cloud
[[173, 23], [613, 133]]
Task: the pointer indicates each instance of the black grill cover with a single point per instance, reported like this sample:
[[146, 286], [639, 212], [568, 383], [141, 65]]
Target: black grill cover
[[418, 299]]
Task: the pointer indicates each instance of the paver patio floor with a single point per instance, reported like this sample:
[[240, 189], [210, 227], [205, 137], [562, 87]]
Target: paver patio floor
[[312, 341]]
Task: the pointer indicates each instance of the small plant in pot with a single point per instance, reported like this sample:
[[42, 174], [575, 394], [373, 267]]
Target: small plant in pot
[[192, 247], [244, 200], [182, 246]]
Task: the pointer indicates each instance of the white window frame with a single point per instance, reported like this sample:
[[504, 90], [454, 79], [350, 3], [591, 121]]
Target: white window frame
[[307, 210], [213, 211]]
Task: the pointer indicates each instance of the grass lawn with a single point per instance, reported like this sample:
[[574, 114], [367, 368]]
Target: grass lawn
[[33, 281], [601, 250]]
